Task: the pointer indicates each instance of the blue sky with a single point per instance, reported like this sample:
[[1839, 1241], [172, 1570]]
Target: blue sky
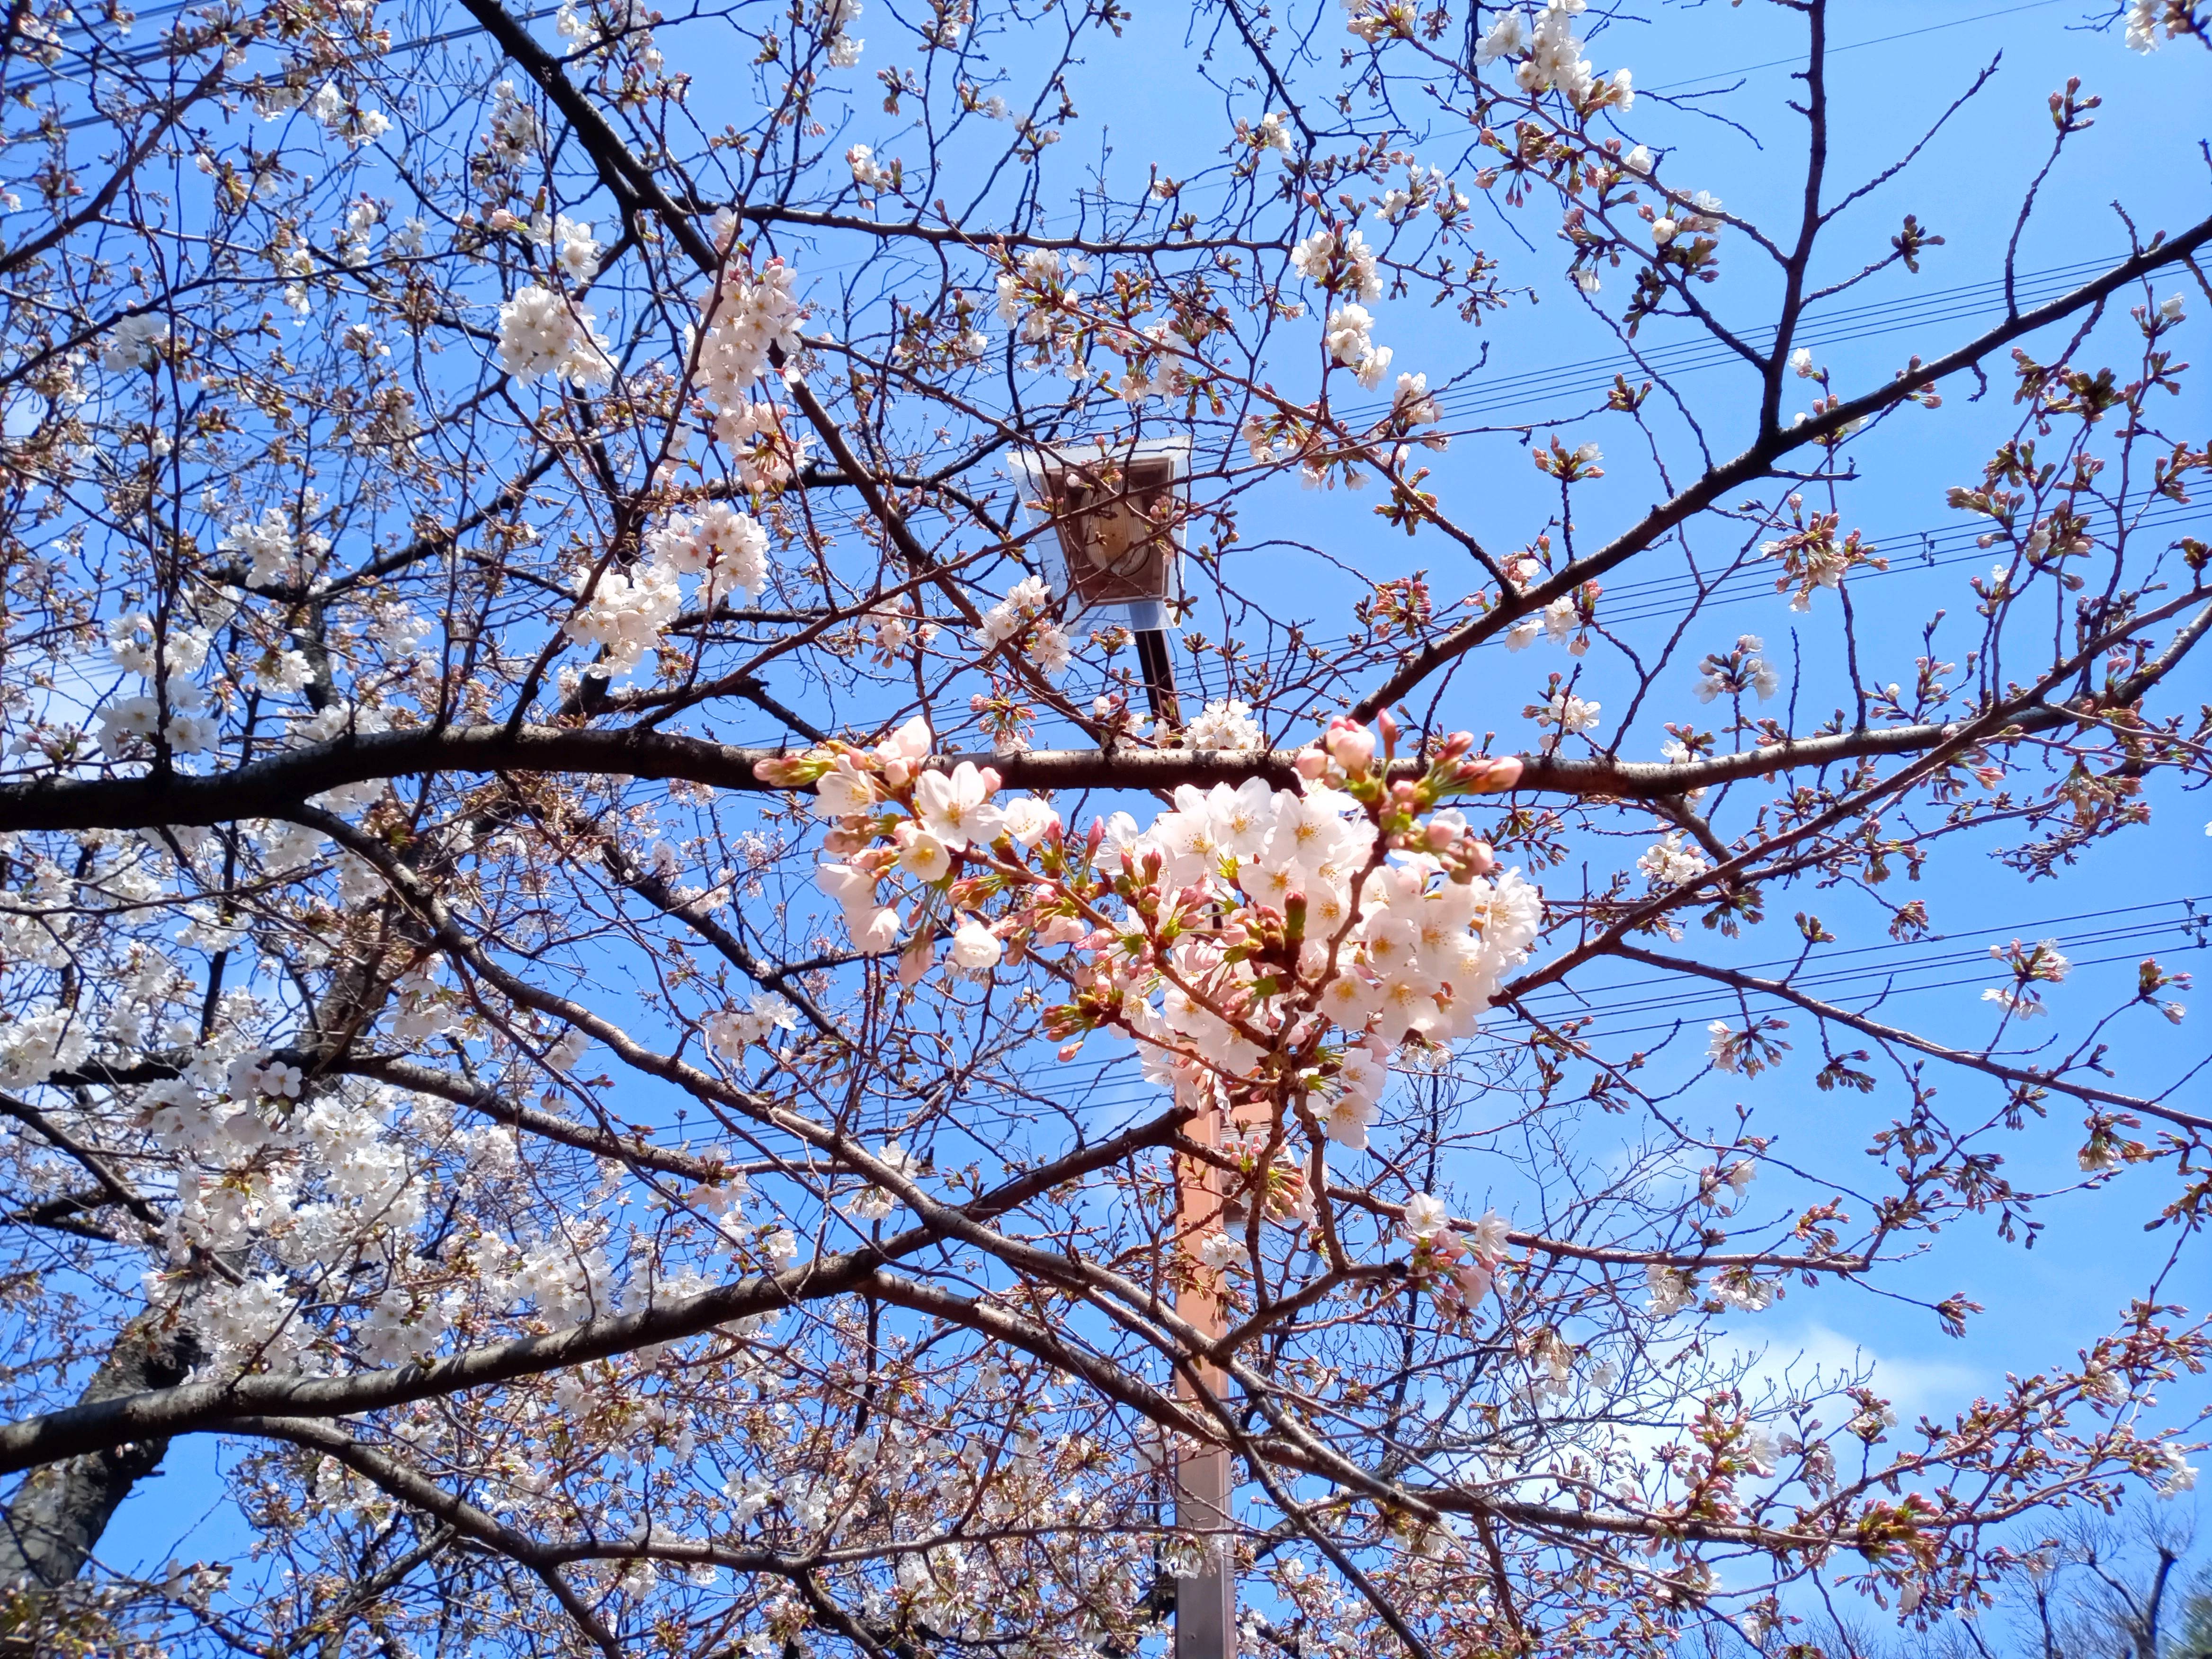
[[2042, 1303], [2045, 1303]]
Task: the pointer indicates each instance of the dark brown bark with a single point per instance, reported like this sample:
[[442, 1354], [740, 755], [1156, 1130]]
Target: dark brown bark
[[58, 1514]]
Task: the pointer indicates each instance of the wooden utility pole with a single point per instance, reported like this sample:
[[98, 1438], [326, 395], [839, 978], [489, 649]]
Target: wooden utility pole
[[1205, 1606], [1118, 517]]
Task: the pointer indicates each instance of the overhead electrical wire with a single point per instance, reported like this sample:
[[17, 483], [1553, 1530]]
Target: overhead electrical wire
[[1927, 549], [1854, 45], [1907, 553], [2174, 926], [143, 55], [1830, 969], [1110, 1085], [1821, 325]]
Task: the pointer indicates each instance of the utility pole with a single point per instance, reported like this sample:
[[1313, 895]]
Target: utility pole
[[1118, 515], [1205, 1606]]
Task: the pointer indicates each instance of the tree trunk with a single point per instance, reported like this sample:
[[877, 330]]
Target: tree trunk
[[60, 1511]]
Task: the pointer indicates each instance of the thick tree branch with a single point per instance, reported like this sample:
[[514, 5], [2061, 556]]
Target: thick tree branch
[[1755, 462], [269, 786]]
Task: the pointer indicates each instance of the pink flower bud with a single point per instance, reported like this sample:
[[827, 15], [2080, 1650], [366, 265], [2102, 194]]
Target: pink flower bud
[[1311, 764], [1472, 1279], [1479, 858], [1350, 744], [786, 771]]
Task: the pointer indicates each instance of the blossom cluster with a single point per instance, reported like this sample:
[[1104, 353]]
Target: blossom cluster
[[1669, 864], [2146, 18], [731, 1031], [1342, 262], [870, 174], [1024, 618], [134, 343], [542, 332], [896, 630], [343, 116], [2031, 965], [624, 612], [308, 1178], [1459, 1268], [1349, 343], [39, 1042], [1270, 132], [1225, 723], [1374, 21], [1813, 557], [1032, 291], [1249, 938], [1565, 621], [627, 23], [1693, 214], [1037, 303], [273, 553], [571, 241], [750, 318], [515, 129], [724, 547], [1430, 189], [835, 20], [187, 725], [1742, 669], [763, 451], [1413, 404], [1565, 713], [1549, 56], [1154, 364]]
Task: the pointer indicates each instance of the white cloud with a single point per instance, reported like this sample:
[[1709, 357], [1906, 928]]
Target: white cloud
[[1814, 1357]]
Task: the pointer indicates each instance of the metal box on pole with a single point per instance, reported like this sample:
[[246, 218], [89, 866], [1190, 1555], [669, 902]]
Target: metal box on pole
[[1117, 512]]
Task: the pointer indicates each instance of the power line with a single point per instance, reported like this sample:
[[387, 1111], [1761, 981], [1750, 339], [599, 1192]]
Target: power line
[[2187, 934], [1909, 552], [1756, 580], [1702, 1005], [2039, 926], [2190, 930], [1855, 45], [1820, 326], [148, 54]]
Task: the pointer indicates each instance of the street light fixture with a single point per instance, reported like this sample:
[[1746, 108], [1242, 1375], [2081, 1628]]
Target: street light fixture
[[1117, 511]]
